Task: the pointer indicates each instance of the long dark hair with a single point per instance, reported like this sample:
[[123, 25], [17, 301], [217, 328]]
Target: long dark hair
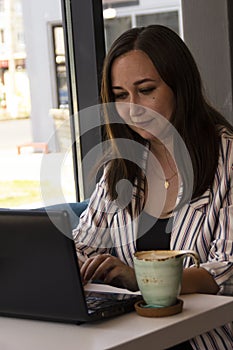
[[194, 119]]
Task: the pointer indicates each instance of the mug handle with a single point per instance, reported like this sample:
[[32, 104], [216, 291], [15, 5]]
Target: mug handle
[[192, 253]]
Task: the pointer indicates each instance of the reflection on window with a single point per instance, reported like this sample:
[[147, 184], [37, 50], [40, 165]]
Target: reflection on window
[[170, 19], [114, 27], [115, 3], [122, 15]]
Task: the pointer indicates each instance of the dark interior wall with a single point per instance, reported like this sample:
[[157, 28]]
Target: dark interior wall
[[207, 26]]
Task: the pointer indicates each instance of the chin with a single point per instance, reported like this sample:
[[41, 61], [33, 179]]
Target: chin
[[146, 135]]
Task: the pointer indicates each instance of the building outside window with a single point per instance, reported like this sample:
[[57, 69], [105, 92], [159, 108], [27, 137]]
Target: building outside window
[[34, 169]]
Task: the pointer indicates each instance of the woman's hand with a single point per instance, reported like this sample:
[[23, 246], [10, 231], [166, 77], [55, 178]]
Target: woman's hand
[[198, 280], [110, 270]]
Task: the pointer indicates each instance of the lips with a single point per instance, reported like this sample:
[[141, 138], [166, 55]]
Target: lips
[[141, 123]]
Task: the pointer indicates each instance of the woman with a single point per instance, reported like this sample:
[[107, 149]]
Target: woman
[[156, 114]]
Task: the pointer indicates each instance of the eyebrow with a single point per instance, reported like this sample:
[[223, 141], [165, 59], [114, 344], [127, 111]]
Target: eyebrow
[[138, 82]]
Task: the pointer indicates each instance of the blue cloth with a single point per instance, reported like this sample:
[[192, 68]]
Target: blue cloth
[[74, 210]]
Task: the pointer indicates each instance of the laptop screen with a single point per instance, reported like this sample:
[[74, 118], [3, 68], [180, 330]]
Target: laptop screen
[[38, 267]]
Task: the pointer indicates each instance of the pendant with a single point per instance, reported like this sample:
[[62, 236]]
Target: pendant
[[166, 184]]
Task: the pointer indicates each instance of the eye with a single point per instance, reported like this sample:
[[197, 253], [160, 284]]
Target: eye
[[120, 96], [146, 91]]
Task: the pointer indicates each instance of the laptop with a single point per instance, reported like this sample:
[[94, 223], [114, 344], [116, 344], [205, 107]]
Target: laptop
[[39, 272]]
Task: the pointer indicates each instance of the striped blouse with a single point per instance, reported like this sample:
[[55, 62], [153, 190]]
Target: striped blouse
[[204, 225]]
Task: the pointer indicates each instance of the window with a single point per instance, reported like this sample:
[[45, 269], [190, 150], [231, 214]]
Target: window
[[35, 153], [126, 14], [60, 66], [114, 27], [2, 7], [170, 19], [2, 36], [20, 38]]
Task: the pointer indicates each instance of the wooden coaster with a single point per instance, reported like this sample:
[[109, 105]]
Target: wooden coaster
[[158, 311]]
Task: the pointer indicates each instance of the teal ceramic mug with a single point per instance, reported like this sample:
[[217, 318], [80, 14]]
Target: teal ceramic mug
[[159, 275]]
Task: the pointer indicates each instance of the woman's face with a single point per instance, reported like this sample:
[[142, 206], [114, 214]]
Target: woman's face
[[136, 82]]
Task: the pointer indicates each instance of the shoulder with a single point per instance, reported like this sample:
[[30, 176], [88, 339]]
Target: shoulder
[[225, 133], [226, 151], [226, 140]]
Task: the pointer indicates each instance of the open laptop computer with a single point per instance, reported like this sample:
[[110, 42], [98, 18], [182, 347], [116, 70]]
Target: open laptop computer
[[39, 272]]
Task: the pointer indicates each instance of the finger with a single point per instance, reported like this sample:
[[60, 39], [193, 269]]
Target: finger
[[85, 267], [112, 277], [123, 277], [92, 265], [103, 269], [117, 273]]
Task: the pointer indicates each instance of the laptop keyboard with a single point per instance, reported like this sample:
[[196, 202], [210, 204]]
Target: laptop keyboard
[[96, 301]]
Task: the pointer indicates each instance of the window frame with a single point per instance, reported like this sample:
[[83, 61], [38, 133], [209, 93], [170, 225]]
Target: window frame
[[83, 76]]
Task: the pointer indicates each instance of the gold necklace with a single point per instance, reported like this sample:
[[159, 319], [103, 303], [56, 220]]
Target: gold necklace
[[167, 181]]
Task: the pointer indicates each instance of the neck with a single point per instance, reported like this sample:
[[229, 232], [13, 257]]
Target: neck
[[158, 148], [164, 155]]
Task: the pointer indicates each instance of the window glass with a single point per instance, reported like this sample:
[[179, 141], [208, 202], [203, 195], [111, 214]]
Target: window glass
[[122, 15], [35, 141], [114, 27], [1, 5], [170, 19]]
